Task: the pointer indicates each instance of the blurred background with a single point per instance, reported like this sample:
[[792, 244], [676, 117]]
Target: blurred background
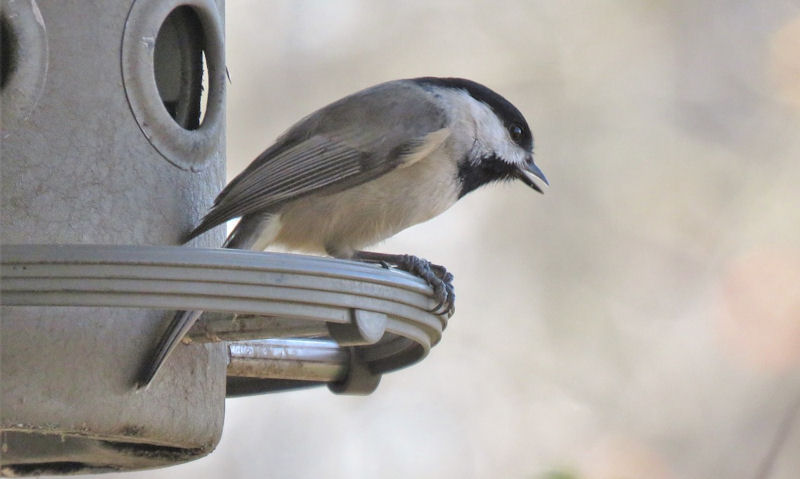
[[641, 319]]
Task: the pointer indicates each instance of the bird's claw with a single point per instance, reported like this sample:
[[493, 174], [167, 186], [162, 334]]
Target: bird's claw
[[437, 277]]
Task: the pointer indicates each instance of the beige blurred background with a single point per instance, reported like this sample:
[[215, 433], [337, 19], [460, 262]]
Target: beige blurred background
[[639, 320]]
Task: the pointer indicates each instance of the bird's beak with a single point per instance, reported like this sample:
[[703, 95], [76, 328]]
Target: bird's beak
[[526, 173]]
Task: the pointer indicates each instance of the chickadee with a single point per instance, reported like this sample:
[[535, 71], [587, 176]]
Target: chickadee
[[365, 168]]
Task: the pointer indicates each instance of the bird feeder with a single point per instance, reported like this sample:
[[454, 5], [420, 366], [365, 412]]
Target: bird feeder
[[112, 148]]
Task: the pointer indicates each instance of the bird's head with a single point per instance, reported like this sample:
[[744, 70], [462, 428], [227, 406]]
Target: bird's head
[[502, 142]]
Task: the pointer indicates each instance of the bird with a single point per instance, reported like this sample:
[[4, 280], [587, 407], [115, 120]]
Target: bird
[[364, 168]]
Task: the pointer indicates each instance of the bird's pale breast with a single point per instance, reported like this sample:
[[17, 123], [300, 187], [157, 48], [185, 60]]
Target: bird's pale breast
[[353, 219]]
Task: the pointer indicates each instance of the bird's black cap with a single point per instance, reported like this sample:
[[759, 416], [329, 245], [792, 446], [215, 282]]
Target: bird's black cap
[[503, 108]]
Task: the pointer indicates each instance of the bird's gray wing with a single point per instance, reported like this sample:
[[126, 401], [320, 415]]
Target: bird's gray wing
[[345, 144]]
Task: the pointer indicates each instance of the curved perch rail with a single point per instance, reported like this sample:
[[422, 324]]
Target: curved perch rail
[[289, 320]]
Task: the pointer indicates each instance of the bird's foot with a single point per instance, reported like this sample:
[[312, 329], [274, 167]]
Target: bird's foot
[[435, 275]]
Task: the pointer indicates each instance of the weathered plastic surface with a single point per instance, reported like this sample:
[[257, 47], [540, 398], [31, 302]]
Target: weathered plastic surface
[[94, 170], [78, 168]]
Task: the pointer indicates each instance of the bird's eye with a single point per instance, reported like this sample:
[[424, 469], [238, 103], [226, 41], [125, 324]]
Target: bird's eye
[[515, 132]]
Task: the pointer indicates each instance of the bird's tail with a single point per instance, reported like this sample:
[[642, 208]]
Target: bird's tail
[[181, 323], [248, 234]]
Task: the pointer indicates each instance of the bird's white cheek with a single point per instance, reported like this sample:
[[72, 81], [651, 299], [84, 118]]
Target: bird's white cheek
[[492, 136], [517, 156]]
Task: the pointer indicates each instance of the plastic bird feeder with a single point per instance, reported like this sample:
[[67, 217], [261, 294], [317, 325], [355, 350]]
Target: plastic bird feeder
[[110, 146]]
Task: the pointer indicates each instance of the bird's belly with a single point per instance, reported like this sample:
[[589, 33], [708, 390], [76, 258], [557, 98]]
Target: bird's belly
[[355, 218]]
